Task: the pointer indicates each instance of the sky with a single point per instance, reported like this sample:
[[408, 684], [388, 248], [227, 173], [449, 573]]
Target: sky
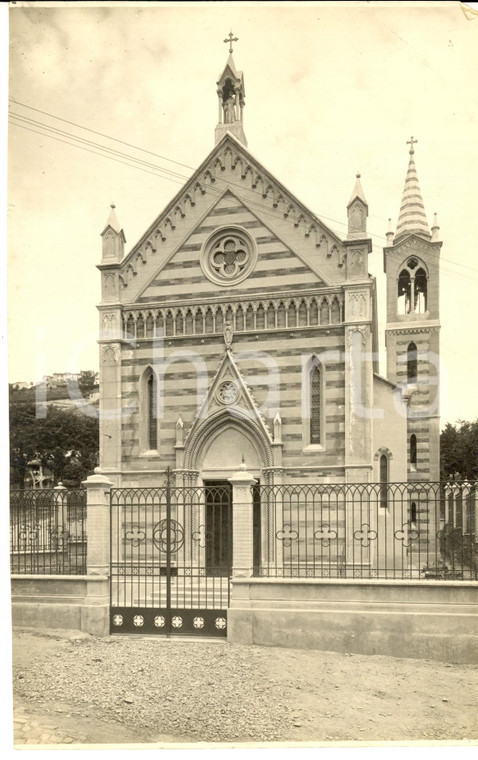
[[331, 89]]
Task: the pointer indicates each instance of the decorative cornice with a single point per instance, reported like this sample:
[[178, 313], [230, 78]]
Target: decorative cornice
[[412, 330]]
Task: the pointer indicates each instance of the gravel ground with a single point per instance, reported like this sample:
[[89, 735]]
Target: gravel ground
[[182, 690]]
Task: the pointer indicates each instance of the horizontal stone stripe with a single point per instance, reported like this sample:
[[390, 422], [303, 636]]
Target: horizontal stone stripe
[[244, 292], [248, 225], [221, 211], [179, 264], [256, 275]]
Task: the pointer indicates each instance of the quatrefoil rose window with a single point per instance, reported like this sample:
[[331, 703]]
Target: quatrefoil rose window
[[228, 256]]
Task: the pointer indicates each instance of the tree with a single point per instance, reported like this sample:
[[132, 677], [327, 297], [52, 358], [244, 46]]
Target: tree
[[459, 451], [87, 381], [66, 442]]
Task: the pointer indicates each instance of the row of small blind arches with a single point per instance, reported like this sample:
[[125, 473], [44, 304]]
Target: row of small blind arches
[[261, 319]]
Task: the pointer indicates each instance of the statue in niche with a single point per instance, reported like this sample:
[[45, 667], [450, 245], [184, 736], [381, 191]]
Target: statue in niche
[[228, 335], [229, 110]]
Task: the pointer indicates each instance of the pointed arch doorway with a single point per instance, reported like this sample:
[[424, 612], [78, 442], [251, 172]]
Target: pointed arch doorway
[[224, 446]]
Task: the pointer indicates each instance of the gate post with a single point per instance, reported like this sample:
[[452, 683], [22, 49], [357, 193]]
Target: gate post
[[95, 612], [242, 523]]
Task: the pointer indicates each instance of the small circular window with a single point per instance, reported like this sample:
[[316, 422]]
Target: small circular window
[[228, 256]]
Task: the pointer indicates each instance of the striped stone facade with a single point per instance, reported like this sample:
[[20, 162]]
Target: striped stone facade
[[300, 296], [306, 295]]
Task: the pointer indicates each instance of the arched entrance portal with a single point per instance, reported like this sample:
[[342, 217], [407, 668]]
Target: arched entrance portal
[[215, 452]]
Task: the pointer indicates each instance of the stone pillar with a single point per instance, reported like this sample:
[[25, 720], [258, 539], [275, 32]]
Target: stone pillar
[[95, 612], [242, 523]]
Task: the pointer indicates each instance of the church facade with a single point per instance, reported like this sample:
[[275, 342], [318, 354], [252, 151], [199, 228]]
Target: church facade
[[240, 328]]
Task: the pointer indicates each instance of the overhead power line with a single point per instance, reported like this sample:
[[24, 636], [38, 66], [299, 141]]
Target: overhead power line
[[33, 125]]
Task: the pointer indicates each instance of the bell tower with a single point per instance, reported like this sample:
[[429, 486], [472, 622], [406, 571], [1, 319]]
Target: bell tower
[[231, 99], [411, 264]]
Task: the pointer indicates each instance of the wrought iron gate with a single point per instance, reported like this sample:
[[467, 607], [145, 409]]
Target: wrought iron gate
[[170, 559]]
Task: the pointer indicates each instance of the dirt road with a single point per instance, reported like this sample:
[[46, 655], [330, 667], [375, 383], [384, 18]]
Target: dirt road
[[72, 688]]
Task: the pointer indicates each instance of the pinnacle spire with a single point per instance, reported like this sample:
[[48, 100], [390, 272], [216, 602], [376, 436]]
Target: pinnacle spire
[[412, 217], [112, 220], [357, 192]]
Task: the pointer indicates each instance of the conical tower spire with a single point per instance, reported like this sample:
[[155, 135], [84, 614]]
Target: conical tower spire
[[412, 217]]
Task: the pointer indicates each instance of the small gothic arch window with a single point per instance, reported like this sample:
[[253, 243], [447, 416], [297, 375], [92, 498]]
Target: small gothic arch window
[[412, 363], [314, 312], [140, 327], [302, 314], [271, 316], [239, 319], [130, 327], [281, 315], [324, 312], [160, 324], [219, 320], [413, 513], [169, 323], [420, 291], [209, 322], [189, 322], [335, 312], [413, 450], [315, 401], [179, 323], [292, 315], [250, 318], [260, 318], [198, 322], [149, 325], [383, 481]]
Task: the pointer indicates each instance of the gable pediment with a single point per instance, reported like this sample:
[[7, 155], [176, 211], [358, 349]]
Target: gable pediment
[[228, 396], [231, 168]]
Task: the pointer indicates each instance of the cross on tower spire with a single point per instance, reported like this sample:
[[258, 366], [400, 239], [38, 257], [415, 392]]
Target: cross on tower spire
[[230, 39], [410, 142]]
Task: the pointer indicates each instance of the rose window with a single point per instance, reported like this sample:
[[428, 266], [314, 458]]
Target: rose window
[[228, 392], [228, 256]]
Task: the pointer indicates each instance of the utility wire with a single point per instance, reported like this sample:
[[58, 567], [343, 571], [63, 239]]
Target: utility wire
[[163, 171], [102, 134]]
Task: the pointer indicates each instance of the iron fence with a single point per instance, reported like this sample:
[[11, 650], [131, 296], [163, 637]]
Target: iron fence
[[390, 531], [48, 531], [170, 559]]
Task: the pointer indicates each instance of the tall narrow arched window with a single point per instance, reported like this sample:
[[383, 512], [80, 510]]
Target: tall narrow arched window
[[404, 295], [412, 363], [315, 416], [413, 450], [383, 480], [420, 291], [152, 414]]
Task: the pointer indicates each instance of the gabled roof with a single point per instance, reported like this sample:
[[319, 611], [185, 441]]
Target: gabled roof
[[207, 168]]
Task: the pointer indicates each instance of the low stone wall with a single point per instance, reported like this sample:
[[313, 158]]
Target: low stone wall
[[420, 619], [61, 601]]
